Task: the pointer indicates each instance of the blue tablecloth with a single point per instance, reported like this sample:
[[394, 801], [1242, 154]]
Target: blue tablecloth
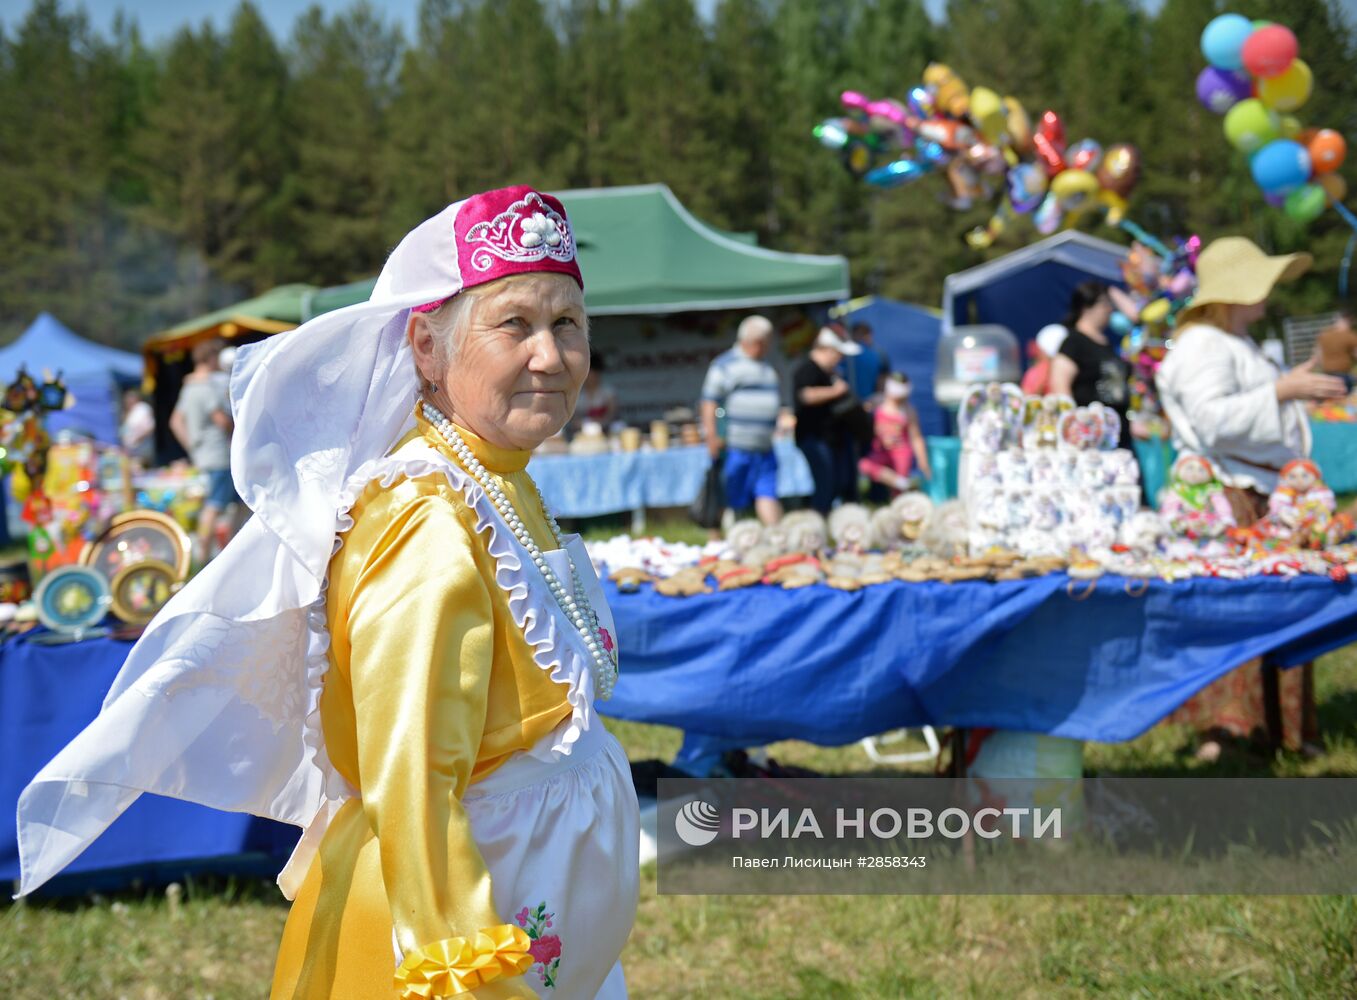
[[753, 666], [48, 694], [1335, 452], [590, 485]]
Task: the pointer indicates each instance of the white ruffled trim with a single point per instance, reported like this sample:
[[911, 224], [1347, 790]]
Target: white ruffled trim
[[555, 649]]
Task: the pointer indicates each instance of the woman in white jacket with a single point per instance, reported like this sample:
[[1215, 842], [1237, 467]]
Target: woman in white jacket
[[1226, 400]]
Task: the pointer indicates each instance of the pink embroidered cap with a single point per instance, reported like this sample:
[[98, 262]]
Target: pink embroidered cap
[[513, 230]]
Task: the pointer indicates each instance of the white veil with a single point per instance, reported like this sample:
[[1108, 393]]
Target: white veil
[[218, 701]]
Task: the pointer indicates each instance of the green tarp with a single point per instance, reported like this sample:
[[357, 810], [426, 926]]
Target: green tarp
[[642, 252]]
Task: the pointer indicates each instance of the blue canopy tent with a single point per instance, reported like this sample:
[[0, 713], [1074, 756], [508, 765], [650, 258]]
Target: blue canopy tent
[[909, 336], [1028, 288], [93, 373]]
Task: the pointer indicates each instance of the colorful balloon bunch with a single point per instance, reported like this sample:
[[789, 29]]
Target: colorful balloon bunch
[[986, 147], [1255, 79], [1160, 279]]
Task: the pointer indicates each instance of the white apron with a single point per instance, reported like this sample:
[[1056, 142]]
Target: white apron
[[564, 835]]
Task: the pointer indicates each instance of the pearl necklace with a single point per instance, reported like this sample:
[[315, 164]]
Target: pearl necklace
[[574, 604]]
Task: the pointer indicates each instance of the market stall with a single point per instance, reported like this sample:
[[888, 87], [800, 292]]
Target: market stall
[[95, 375]]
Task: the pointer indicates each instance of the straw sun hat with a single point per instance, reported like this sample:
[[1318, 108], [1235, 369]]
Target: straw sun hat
[[1234, 271]]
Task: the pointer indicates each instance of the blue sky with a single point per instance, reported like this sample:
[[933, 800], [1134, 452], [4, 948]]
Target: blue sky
[[161, 18]]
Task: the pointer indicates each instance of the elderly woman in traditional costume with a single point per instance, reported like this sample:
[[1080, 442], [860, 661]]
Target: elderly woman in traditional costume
[[400, 653]]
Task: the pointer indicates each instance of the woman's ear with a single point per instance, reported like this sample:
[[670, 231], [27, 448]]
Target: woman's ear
[[419, 331]]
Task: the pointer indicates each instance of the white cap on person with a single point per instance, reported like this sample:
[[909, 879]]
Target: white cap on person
[[1050, 337], [828, 338]]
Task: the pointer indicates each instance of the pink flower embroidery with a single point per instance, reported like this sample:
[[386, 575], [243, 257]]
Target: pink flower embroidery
[[607, 639], [545, 948]]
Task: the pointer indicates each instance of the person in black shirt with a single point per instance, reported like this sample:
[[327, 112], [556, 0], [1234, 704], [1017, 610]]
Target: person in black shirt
[[816, 386], [1088, 367]]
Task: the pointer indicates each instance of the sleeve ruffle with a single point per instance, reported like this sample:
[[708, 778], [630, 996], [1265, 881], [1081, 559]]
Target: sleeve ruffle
[[457, 965]]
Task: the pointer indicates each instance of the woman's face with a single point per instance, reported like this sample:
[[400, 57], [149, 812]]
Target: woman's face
[[1100, 313], [1248, 315], [518, 361]]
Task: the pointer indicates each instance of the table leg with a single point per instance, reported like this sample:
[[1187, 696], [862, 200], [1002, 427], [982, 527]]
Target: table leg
[[638, 522], [956, 767]]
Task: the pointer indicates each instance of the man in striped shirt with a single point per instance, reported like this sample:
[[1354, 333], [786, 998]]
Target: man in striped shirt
[[743, 383]]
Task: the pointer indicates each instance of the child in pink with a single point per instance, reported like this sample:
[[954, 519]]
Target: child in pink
[[896, 440]]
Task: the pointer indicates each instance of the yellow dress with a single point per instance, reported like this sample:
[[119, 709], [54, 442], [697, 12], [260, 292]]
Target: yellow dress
[[431, 686]]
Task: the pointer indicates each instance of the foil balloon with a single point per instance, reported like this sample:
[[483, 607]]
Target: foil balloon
[[1073, 185], [1026, 187], [897, 174], [987, 113], [1048, 215], [930, 152], [853, 99], [1053, 129], [1049, 143], [1086, 154], [1120, 169], [953, 96], [946, 132], [1114, 204], [831, 134], [921, 102], [1018, 125]]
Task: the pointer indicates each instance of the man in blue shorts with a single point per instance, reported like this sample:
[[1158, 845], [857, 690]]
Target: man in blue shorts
[[749, 389]]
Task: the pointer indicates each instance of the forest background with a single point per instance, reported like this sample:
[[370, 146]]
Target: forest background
[[141, 185]]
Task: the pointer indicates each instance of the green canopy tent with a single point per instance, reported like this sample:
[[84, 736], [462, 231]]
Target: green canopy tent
[[644, 254]]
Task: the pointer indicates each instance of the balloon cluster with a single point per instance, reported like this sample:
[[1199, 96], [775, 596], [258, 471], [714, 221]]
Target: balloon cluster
[[987, 147], [1256, 79], [1160, 279]]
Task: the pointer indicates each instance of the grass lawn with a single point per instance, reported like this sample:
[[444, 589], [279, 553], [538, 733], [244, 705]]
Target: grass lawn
[[219, 940]]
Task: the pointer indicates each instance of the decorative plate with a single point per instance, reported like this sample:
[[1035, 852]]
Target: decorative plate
[[72, 599], [141, 589], [139, 536]]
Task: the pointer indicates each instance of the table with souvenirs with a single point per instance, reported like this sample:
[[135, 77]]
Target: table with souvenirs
[[1046, 599]]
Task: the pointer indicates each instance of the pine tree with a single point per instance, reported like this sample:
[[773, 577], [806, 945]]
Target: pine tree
[[342, 91], [258, 251], [591, 94], [666, 132]]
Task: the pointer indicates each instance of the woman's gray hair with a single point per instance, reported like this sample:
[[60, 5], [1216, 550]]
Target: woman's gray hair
[[447, 322]]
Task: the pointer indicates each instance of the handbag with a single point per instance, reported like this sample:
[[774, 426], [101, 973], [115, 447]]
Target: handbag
[[710, 502]]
